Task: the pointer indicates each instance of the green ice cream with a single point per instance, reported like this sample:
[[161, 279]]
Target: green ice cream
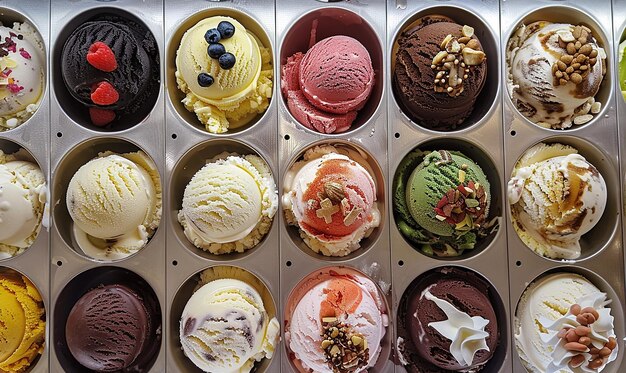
[[622, 67], [441, 201]]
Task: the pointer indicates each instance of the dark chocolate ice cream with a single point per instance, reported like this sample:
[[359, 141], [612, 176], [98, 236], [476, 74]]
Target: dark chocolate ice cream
[[440, 69], [439, 310], [111, 66], [108, 328]]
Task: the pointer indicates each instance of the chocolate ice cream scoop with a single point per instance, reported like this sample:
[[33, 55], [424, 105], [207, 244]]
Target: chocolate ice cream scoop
[[441, 310], [107, 328], [114, 50], [440, 69]]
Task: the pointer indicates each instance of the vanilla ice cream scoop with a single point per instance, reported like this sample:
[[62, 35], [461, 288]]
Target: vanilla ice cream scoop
[[115, 203], [556, 196], [22, 204], [21, 74], [229, 204], [226, 328], [554, 73]]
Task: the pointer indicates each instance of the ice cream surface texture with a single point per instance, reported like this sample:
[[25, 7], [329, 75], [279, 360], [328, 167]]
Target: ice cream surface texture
[[331, 196], [554, 73], [115, 203], [439, 71], [224, 96], [622, 67], [563, 324], [229, 204], [556, 196], [327, 85], [442, 201], [22, 323], [446, 322], [109, 328], [23, 197], [22, 79], [110, 65], [225, 326], [331, 308]]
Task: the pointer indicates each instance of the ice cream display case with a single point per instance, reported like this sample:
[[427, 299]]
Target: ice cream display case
[[312, 186]]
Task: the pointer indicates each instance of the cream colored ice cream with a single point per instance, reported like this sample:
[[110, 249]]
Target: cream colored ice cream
[[551, 309], [554, 73], [22, 323], [556, 196], [115, 203], [229, 204], [237, 95], [23, 196], [22, 65], [331, 196], [226, 325]]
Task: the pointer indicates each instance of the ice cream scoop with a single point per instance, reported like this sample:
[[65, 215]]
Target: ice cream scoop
[[23, 197], [22, 79], [109, 328], [447, 322], [114, 201], [110, 65], [224, 97], [556, 197], [622, 67], [327, 85], [225, 326], [439, 71], [329, 309], [229, 204], [554, 73], [331, 197], [563, 324], [442, 201], [22, 323]]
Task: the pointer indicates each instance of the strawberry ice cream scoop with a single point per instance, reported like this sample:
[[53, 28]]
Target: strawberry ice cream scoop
[[332, 199], [326, 86], [328, 309]]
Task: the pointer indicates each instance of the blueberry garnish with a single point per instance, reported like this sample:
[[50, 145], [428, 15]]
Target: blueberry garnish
[[205, 80], [215, 50], [212, 36], [227, 61], [226, 29]]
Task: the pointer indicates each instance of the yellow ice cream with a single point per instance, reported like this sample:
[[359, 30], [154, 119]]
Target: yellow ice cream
[[115, 203], [229, 204], [22, 323], [22, 203], [237, 95]]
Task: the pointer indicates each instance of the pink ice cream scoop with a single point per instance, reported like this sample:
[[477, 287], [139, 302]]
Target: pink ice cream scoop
[[335, 298], [328, 85], [334, 197]]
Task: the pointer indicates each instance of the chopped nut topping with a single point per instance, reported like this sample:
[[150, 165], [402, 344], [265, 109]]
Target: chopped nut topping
[[463, 207], [345, 350], [579, 58], [327, 210], [334, 191], [451, 62], [352, 216]]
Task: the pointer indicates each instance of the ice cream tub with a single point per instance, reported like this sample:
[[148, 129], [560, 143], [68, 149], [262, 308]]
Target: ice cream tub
[[353, 123], [199, 144], [596, 88], [540, 281], [26, 135], [92, 128]]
